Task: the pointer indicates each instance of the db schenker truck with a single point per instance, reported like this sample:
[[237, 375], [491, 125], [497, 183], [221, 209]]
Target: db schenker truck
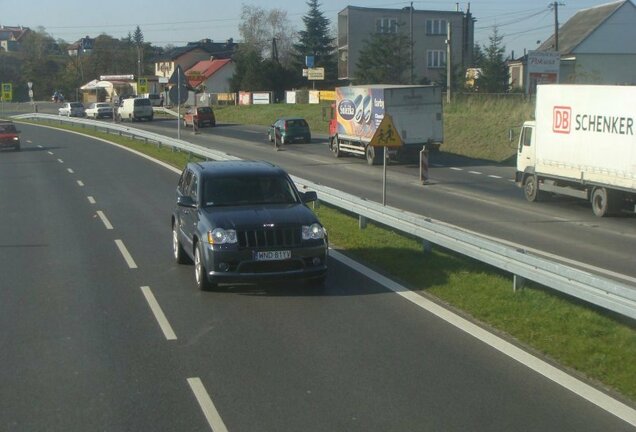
[[416, 111], [582, 143]]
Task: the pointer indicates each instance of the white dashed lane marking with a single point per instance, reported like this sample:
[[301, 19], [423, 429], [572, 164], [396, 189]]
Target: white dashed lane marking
[[104, 219], [91, 200], [80, 183], [70, 170], [124, 252], [207, 406], [165, 326]]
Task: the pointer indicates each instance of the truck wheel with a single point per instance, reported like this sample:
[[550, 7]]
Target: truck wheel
[[335, 147], [374, 156], [604, 202], [531, 188]]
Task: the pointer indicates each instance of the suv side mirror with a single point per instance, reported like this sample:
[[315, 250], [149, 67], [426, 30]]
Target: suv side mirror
[[309, 196], [186, 201]]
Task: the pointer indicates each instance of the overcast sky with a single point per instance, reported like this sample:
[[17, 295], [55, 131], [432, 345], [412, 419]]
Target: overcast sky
[[522, 22]]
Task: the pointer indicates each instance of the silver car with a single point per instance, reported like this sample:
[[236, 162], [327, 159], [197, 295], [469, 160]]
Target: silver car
[[98, 110], [72, 109]]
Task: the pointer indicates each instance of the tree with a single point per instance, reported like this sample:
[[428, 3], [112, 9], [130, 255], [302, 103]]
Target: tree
[[316, 41], [138, 40], [259, 28], [384, 58], [494, 74]]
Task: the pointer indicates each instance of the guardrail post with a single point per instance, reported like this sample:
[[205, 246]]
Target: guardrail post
[[362, 222], [517, 283]]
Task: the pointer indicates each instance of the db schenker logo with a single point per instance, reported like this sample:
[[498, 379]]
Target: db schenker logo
[[346, 109], [561, 119]]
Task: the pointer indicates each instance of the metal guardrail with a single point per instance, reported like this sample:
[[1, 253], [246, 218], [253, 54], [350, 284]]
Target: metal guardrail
[[600, 291]]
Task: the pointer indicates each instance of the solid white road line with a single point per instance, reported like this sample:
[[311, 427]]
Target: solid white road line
[[80, 183], [104, 219], [159, 315], [598, 398], [207, 406], [91, 200], [129, 259]]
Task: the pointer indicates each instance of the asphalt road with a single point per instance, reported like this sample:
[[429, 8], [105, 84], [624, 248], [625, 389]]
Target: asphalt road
[[84, 250]]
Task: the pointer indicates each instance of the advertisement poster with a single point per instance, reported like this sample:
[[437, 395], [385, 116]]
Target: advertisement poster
[[359, 110]]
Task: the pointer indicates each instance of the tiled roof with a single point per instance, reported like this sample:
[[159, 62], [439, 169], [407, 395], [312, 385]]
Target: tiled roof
[[204, 70]]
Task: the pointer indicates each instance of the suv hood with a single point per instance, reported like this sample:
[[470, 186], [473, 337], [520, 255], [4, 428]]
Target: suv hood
[[246, 217]]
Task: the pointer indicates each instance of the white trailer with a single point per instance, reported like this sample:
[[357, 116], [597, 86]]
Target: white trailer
[[581, 144], [416, 111]]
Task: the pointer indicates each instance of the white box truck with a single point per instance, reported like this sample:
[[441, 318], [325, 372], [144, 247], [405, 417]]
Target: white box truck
[[581, 144], [416, 111]]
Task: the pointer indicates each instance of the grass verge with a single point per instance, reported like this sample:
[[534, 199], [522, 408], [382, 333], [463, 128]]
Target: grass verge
[[590, 341]]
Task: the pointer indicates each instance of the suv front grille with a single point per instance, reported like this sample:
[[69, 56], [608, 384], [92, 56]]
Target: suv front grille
[[273, 237]]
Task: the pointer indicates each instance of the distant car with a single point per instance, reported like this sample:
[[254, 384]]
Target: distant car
[[9, 136], [203, 116], [245, 221], [72, 109], [287, 130], [155, 99], [99, 110], [134, 109]]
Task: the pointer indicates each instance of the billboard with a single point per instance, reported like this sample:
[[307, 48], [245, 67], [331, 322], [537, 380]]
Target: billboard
[[543, 68]]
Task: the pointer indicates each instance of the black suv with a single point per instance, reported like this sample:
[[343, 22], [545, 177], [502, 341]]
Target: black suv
[[245, 221]]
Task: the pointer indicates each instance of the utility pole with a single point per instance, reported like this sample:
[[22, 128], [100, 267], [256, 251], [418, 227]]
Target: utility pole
[[411, 32], [555, 6], [448, 62]]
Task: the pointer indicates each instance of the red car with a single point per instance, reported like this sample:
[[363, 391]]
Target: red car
[[9, 135], [203, 116]]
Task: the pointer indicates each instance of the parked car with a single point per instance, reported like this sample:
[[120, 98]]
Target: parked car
[[202, 116], [287, 130], [72, 109], [245, 221], [135, 109], [9, 136], [98, 110], [155, 99]]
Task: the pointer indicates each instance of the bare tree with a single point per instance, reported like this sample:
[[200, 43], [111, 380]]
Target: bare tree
[[264, 29]]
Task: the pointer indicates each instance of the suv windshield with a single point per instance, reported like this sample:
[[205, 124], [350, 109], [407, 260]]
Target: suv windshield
[[142, 102], [7, 128], [232, 191]]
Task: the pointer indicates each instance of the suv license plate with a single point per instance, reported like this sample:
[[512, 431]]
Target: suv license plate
[[272, 255]]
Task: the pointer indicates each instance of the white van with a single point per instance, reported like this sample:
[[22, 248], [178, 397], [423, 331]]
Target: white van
[[135, 109]]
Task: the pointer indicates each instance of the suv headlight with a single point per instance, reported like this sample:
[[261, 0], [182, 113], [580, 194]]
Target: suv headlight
[[313, 232], [221, 236]]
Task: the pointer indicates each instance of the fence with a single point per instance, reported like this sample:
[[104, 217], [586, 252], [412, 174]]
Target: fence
[[598, 290]]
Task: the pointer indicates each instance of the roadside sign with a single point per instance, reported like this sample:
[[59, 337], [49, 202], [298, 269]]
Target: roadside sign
[[30, 84], [386, 135], [316, 73], [309, 61], [142, 86], [178, 77], [7, 92]]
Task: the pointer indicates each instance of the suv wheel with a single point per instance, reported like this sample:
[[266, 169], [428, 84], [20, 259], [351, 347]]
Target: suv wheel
[[200, 272], [177, 250]]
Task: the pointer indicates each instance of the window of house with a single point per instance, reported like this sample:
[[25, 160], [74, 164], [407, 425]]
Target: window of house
[[436, 27], [386, 25], [436, 58]]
